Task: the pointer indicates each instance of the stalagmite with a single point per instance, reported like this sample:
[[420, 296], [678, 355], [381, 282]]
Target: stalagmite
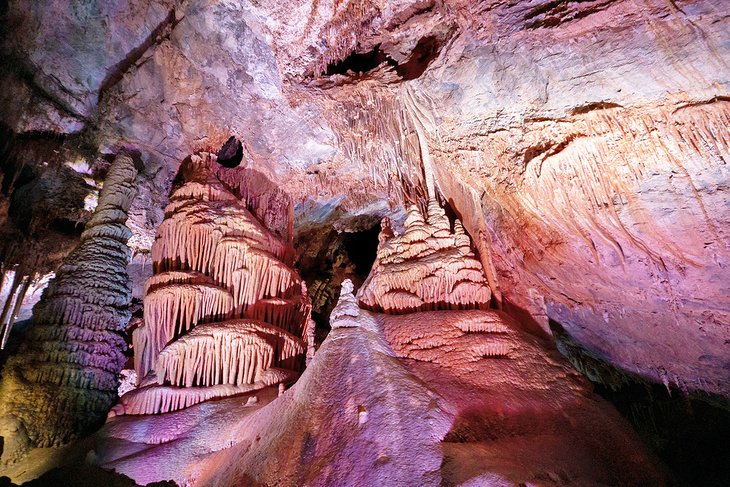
[[224, 308], [426, 268], [64, 378]]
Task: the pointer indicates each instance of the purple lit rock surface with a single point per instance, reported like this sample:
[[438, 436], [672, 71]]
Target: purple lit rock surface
[[417, 399]]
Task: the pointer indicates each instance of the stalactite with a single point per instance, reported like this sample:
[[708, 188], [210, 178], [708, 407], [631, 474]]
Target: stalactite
[[224, 307], [176, 309], [426, 268], [17, 290], [232, 352], [63, 380], [156, 399]]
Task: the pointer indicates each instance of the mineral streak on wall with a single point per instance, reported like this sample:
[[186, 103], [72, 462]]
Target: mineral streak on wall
[[64, 378], [225, 313]]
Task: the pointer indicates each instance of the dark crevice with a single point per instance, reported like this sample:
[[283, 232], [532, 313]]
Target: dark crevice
[[688, 432], [231, 153], [21, 155], [535, 151], [160, 33], [545, 8], [41, 200], [557, 12], [65, 226], [599, 105], [423, 54], [452, 214], [326, 258], [361, 249], [547, 149], [714, 99], [359, 63]]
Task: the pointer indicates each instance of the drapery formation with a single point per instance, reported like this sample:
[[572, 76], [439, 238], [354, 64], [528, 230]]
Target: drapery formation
[[225, 313]]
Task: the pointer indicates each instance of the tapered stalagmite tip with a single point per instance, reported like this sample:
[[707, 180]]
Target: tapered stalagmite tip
[[346, 307], [426, 268], [386, 230], [458, 228], [346, 288], [437, 216], [414, 217]]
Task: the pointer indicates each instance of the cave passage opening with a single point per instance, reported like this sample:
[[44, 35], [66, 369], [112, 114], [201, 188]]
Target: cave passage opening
[[327, 257], [424, 53], [687, 431], [230, 154]]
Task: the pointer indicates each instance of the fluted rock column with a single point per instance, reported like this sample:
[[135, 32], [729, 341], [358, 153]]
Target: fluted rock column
[[64, 378]]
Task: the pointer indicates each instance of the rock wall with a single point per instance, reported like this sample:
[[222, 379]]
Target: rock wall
[[584, 144]]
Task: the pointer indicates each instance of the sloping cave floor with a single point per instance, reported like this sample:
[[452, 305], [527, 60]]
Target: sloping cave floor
[[687, 432]]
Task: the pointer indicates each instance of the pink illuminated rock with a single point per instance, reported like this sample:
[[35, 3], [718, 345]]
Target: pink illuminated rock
[[232, 352], [583, 144], [427, 398], [176, 309], [152, 398], [426, 268], [224, 307]]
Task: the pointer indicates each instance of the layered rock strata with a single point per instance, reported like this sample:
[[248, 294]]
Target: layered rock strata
[[64, 378], [224, 313]]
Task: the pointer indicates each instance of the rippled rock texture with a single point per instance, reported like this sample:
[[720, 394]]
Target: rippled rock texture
[[457, 397], [63, 380], [224, 313], [428, 398], [583, 146]]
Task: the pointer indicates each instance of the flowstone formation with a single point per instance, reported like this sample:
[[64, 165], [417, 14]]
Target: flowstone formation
[[63, 380], [224, 313], [426, 268], [447, 397]]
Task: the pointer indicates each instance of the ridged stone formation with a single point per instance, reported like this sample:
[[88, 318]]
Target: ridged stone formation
[[426, 268], [225, 312], [440, 397], [63, 380], [430, 398]]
